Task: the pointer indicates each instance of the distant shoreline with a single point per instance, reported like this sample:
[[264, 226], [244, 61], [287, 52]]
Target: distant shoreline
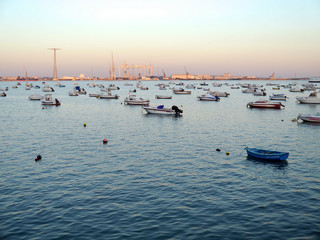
[[105, 79]]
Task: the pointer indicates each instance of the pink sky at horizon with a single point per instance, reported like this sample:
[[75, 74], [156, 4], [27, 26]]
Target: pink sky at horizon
[[242, 37]]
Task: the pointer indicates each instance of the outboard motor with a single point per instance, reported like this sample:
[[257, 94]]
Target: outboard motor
[[176, 109]]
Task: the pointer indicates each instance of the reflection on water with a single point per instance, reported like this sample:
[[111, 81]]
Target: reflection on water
[[274, 163]]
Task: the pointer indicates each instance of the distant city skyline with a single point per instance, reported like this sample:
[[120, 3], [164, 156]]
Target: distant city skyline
[[241, 37]]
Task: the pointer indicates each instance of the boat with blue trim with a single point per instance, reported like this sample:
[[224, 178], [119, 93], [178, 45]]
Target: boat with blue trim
[[267, 154]]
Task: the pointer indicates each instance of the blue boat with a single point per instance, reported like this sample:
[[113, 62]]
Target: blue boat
[[267, 154]]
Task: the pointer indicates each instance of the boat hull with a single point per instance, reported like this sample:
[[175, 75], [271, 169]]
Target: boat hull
[[163, 111], [208, 99], [309, 100], [309, 118], [267, 154], [163, 97], [129, 102], [264, 105]]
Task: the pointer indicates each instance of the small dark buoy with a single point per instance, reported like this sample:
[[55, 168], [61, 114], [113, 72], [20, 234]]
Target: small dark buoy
[[227, 153], [105, 141], [38, 158], [218, 150], [281, 120]]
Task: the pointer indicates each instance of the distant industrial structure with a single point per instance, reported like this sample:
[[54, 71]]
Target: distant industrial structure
[[139, 72], [127, 72], [55, 74]]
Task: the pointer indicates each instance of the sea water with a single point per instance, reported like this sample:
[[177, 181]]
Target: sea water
[[159, 177]]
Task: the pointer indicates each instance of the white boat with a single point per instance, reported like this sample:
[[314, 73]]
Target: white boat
[[113, 87], [35, 97], [163, 97], [3, 94], [134, 100], [128, 84], [79, 90], [312, 99], [108, 95], [309, 117], [4, 89], [174, 110], [215, 84], [47, 88], [144, 88], [248, 90], [235, 87], [190, 86], [259, 93], [27, 88], [208, 97], [278, 97], [73, 93], [296, 89], [48, 100], [219, 94]]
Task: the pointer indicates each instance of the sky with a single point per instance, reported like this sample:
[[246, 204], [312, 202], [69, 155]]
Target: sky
[[241, 37]]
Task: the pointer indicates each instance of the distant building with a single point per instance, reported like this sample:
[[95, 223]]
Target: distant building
[[183, 76], [9, 78], [67, 78], [228, 76], [204, 77], [81, 76]]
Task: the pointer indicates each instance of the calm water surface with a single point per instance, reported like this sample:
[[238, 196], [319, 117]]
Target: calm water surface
[[159, 177]]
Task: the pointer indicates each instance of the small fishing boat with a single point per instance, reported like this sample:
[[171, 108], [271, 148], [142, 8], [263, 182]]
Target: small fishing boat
[[219, 94], [265, 104], [134, 100], [4, 89], [108, 95], [47, 88], [3, 94], [113, 87], [93, 94], [48, 100], [208, 97], [73, 93], [79, 90], [296, 89], [267, 154], [174, 110], [190, 86], [259, 93], [309, 117], [163, 97], [312, 99], [35, 97], [181, 91], [278, 97]]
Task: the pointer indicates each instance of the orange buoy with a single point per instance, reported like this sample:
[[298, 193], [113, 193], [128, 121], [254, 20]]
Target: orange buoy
[[105, 141]]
